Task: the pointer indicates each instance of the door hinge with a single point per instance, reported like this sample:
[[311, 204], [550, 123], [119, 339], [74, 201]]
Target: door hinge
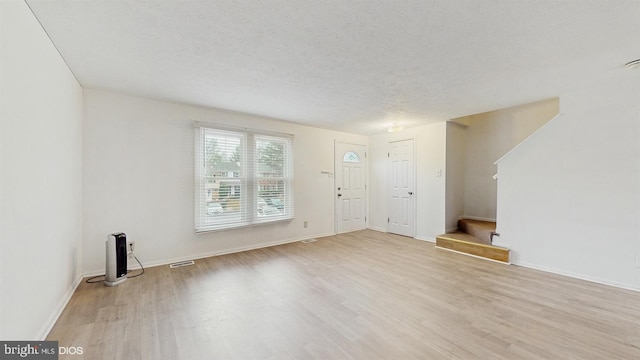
[[387, 220], [388, 154]]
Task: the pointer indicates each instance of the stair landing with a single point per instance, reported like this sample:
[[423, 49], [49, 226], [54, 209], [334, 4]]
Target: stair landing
[[481, 230], [474, 239]]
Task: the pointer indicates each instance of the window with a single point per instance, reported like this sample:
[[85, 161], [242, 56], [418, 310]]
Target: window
[[242, 178], [351, 157]]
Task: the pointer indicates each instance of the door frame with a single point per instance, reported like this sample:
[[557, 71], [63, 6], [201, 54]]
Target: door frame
[[335, 183]]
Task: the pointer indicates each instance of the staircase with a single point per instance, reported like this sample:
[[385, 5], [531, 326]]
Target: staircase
[[474, 237]]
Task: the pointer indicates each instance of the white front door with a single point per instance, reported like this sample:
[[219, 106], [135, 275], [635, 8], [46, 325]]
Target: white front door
[[350, 187], [402, 181]]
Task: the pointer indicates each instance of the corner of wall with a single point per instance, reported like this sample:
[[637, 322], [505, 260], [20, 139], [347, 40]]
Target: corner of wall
[[567, 197], [42, 114]]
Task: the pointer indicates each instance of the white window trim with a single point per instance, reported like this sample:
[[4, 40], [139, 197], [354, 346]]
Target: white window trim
[[208, 125], [248, 182]]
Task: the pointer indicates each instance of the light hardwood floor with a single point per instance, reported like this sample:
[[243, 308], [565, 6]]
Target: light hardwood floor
[[363, 295]]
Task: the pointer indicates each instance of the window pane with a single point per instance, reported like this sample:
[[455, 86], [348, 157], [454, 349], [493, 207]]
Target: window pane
[[222, 155], [271, 157], [271, 174], [222, 200], [351, 157], [226, 207], [271, 198]]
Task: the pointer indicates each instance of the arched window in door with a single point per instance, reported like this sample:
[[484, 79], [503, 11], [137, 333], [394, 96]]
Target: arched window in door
[[351, 157]]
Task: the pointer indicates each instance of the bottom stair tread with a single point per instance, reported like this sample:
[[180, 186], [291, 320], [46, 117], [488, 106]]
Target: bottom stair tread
[[465, 237], [468, 244]]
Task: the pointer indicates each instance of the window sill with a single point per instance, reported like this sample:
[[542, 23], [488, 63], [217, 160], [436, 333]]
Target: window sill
[[217, 228]]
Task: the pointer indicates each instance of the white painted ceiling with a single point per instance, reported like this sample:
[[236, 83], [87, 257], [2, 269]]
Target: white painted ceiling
[[347, 65]]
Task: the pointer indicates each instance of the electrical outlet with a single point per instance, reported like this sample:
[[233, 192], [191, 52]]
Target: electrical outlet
[[131, 246], [306, 224]]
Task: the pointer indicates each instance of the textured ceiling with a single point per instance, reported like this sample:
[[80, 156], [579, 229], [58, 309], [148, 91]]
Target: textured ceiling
[[348, 65]]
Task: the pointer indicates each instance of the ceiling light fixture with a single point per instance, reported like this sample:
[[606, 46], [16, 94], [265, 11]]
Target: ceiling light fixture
[[395, 128], [635, 64]]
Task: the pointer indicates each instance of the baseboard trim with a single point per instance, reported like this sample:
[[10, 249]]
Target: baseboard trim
[[575, 276], [44, 332], [386, 231], [382, 230], [498, 243], [150, 264], [422, 238]]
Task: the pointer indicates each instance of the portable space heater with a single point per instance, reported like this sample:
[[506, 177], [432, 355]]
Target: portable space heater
[[116, 268]]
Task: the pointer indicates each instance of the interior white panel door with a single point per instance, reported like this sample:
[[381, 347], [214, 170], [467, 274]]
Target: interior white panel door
[[402, 188], [350, 187]]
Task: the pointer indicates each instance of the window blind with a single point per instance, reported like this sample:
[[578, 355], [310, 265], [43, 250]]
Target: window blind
[[242, 178]]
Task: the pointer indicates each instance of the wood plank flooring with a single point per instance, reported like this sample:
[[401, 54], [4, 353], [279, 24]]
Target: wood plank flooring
[[362, 295]]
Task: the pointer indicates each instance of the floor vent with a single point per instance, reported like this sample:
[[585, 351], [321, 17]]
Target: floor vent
[[181, 263], [308, 241]]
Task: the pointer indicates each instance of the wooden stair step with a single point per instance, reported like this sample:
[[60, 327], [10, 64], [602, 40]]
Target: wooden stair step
[[468, 244], [478, 228]]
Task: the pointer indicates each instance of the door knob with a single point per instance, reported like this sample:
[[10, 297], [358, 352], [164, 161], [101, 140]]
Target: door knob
[[410, 192], [339, 195]]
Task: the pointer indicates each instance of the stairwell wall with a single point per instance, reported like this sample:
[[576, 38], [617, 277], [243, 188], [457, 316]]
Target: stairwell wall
[[455, 174], [487, 137], [569, 197]]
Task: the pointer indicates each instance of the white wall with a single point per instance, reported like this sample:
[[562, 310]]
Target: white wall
[[488, 137], [429, 142], [455, 180], [41, 177], [138, 178], [378, 179], [569, 197]]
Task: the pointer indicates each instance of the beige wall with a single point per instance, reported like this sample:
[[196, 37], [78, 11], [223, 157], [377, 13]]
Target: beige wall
[[488, 137], [40, 177], [429, 142], [138, 178], [455, 173], [569, 197]]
